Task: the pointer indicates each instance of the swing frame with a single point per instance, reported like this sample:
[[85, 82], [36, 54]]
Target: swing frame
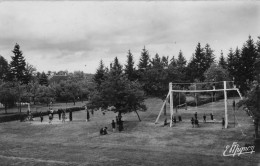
[[171, 91]]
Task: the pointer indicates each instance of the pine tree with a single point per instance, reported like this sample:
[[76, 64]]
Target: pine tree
[[3, 68], [181, 62], [43, 79], [144, 60], [17, 65], [199, 63], [156, 62], [116, 67], [246, 70], [222, 61], [258, 47], [99, 76], [209, 56], [129, 67]]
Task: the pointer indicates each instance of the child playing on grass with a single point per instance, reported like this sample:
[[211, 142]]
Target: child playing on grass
[[192, 121], [113, 125]]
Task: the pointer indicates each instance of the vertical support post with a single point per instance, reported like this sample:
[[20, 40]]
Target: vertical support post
[[171, 102], [225, 101]]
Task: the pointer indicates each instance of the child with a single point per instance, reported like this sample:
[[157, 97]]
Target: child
[[204, 117], [63, 116], [113, 125], [50, 118], [223, 123], [192, 121], [41, 116]]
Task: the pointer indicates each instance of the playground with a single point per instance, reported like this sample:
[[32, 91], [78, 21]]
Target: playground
[[140, 143]]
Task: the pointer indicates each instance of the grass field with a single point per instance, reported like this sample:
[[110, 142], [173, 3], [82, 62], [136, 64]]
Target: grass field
[[141, 143]]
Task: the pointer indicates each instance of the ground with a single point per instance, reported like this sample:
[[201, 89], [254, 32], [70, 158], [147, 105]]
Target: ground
[[141, 143]]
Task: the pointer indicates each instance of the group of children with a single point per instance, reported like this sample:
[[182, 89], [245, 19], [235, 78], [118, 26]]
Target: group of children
[[119, 123]]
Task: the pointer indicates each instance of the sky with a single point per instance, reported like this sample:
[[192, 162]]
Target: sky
[[76, 35]]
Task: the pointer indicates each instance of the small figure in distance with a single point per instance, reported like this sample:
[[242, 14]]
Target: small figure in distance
[[197, 122], [196, 115], [211, 116], [41, 116], [223, 123], [192, 121], [165, 122], [180, 118], [204, 118], [113, 125]]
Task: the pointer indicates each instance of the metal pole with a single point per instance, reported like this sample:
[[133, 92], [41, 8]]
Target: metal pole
[[171, 102], [225, 101]]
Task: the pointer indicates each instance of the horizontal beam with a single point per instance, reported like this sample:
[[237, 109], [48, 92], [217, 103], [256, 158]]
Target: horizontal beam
[[196, 91]]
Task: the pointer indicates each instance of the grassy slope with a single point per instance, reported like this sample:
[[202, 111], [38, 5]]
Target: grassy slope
[[142, 143]]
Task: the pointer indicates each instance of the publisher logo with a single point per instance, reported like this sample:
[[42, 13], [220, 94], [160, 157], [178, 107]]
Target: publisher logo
[[235, 149]]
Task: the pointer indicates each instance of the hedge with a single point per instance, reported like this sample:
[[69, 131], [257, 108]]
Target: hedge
[[23, 116]]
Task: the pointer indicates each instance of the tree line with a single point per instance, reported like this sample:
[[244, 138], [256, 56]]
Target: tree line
[[20, 82], [151, 76]]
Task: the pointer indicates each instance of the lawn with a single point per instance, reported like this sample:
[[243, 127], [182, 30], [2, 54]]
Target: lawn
[[141, 143]]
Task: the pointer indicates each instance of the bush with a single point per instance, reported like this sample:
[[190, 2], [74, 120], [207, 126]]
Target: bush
[[13, 117]]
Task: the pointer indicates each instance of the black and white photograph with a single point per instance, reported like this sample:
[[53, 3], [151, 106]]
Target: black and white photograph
[[129, 83]]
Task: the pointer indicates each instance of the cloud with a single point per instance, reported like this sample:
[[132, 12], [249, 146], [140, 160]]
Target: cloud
[[57, 35]]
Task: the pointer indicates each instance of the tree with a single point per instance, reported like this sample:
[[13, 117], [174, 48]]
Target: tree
[[209, 57], [8, 95], [45, 94], [28, 73], [258, 47], [197, 64], [99, 76], [156, 62], [3, 68], [222, 61], [246, 70], [43, 79], [116, 90], [17, 65], [181, 62], [129, 67], [116, 67], [216, 73], [181, 66], [144, 62]]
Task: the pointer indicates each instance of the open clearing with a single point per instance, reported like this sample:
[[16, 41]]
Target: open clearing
[[141, 143]]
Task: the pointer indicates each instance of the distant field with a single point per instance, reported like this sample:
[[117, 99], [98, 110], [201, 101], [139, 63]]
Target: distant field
[[141, 143]]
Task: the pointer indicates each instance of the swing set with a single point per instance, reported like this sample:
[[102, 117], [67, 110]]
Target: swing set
[[223, 88]]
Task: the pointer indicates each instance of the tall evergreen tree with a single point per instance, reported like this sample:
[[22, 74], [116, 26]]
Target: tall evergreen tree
[[231, 63], [99, 76], [129, 67], [181, 62], [209, 56], [144, 62], [156, 62], [17, 65], [3, 68], [165, 61], [199, 63], [222, 61], [116, 67], [258, 47], [246, 70]]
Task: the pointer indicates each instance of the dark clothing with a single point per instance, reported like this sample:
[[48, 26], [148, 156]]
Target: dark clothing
[[174, 119], [59, 112], [180, 118], [223, 122], [70, 115], [211, 116], [113, 124], [204, 117], [196, 116], [192, 122], [88, 115]]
